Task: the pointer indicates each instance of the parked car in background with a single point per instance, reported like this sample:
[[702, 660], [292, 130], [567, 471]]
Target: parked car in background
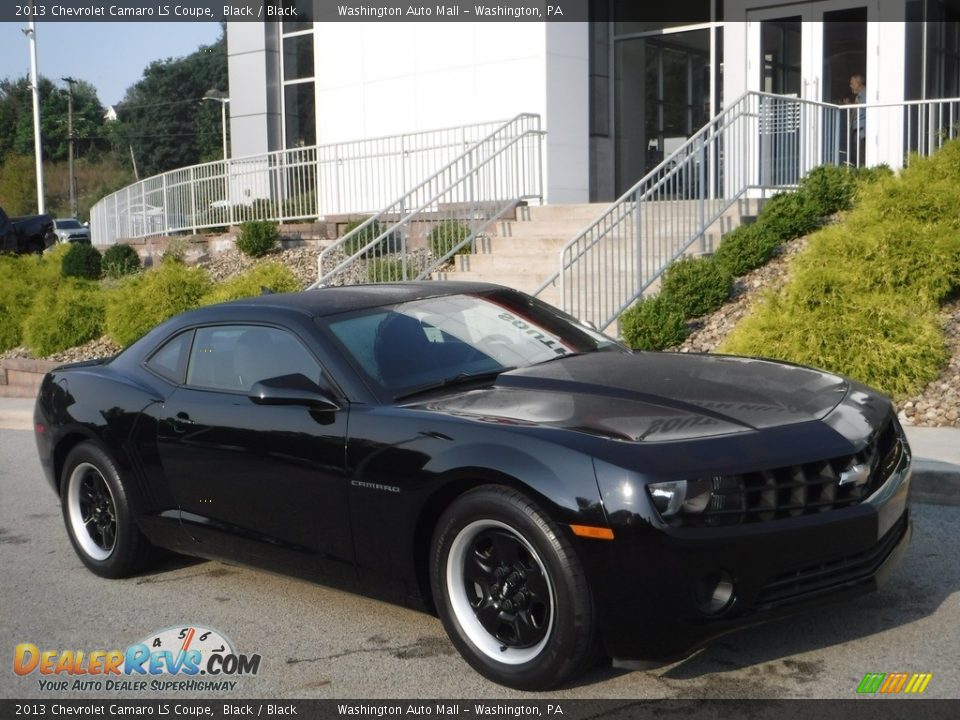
[[27, 234], [71, 230], [466, 448]]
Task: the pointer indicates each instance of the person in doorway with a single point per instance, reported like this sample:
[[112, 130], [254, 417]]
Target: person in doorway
[[858, 124]]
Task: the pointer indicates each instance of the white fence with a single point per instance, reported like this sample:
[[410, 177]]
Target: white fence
[[362, 176]]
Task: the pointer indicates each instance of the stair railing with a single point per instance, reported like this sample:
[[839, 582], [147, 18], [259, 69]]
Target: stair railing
[[424, 228]]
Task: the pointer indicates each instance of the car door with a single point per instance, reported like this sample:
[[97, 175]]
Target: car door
[[259, 482]]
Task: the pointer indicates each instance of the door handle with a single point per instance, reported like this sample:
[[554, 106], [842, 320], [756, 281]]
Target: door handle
[[182, 422]]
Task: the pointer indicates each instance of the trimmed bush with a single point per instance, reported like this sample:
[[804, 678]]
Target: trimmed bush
[[271, 275], [120, 260], [21, 278], [384, 270], [790, 215], [862, 299], [144, 301], [257, 238], [830, 189], [82, 261], [355, 244], [64, 317], [653, 324], [746, 248], [447, 235], [696, 286], [896, 347]]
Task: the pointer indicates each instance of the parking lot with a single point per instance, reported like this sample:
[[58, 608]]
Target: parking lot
[[319, 642]]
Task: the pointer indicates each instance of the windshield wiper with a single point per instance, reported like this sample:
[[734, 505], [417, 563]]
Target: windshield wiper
[[563, 357], [459, 379]]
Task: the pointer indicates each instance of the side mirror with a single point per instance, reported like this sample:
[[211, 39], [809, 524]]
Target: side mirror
[[294, 389]]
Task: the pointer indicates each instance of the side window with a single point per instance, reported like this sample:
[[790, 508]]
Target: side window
[[234, 357], [170, 361]]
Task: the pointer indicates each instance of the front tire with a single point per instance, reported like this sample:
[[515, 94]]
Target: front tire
[[511, 591], [97, 514]]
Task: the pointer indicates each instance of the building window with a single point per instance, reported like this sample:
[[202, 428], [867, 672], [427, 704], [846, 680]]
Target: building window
[[298, 57], [299, 87], [300, 114]]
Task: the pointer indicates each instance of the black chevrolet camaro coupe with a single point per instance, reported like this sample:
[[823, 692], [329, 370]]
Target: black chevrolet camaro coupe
[[467, 449]]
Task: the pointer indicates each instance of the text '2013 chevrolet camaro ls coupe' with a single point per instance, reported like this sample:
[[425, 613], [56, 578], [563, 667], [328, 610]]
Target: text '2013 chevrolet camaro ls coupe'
[[467, 449]]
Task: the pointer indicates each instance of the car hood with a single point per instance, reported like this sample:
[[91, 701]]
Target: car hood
[[652, 397]]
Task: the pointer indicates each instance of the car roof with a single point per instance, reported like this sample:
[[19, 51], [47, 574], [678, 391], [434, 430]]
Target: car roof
[[333, 300]]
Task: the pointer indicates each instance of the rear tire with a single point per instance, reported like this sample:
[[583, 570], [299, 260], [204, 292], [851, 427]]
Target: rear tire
[[97, 514], [511, 591]]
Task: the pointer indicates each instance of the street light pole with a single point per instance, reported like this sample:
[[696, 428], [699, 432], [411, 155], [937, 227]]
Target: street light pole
[[72, 180], [31, 32], [217, 96]]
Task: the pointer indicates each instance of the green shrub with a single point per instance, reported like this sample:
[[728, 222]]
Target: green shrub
[[271, 275], [862, 299], [120, 260], [891, 344], [652, 324], [790, 215], [829, 189], [176, 250], [384, 270], [82, 261], [64, 317], [257, 238], [144, 301], [746, 248], [447, 235], [21, 278], [356, 243], [696, 286]]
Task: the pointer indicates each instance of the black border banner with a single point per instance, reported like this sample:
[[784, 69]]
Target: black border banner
[[863, 709], [686, 11]]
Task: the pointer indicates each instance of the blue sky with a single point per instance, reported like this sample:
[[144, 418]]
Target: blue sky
[[110, 55]]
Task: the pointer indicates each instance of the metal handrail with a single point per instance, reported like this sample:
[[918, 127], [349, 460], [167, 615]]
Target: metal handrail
[[353, 177], [460, 200], [760, 142]]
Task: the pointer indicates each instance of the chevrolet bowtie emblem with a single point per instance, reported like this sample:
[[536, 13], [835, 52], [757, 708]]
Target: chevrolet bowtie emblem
[[856, 475]]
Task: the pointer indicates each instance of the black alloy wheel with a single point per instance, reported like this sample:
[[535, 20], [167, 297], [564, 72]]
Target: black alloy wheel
[[511, 591], [97, 514]]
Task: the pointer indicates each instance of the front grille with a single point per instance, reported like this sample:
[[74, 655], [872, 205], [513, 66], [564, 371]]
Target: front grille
[[806, 489], [813, 578]]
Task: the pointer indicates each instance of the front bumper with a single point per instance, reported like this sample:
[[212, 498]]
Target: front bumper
[[645, 582]]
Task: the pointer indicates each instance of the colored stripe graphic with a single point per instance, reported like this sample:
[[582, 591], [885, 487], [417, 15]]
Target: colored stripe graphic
[[894, 683]]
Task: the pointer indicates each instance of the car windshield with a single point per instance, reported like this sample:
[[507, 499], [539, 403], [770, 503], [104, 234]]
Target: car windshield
[[436, 342], [68, 224]]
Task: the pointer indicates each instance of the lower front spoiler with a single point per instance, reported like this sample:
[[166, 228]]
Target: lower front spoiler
[[673, 637]]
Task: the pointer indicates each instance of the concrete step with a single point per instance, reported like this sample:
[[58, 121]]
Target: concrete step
[[582, 212]]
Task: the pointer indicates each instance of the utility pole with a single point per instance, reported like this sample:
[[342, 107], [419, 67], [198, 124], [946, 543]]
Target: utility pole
[[31, 32], [73, 180]]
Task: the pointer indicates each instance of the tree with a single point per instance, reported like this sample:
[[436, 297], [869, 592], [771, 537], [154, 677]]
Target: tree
[[163, 116], [18, 184], [16, 119]]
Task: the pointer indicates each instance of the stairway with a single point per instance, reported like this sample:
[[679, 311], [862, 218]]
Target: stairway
[[524, 252]]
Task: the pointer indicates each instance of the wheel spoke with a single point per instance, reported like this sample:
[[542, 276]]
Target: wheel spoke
[[474, 571], [526, 632], [489, 617], [108, 536]]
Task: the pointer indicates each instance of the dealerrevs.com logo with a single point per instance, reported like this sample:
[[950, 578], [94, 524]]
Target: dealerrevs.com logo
[[187, 657]]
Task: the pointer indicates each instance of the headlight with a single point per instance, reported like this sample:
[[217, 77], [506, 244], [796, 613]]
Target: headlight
[[690, 496]]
